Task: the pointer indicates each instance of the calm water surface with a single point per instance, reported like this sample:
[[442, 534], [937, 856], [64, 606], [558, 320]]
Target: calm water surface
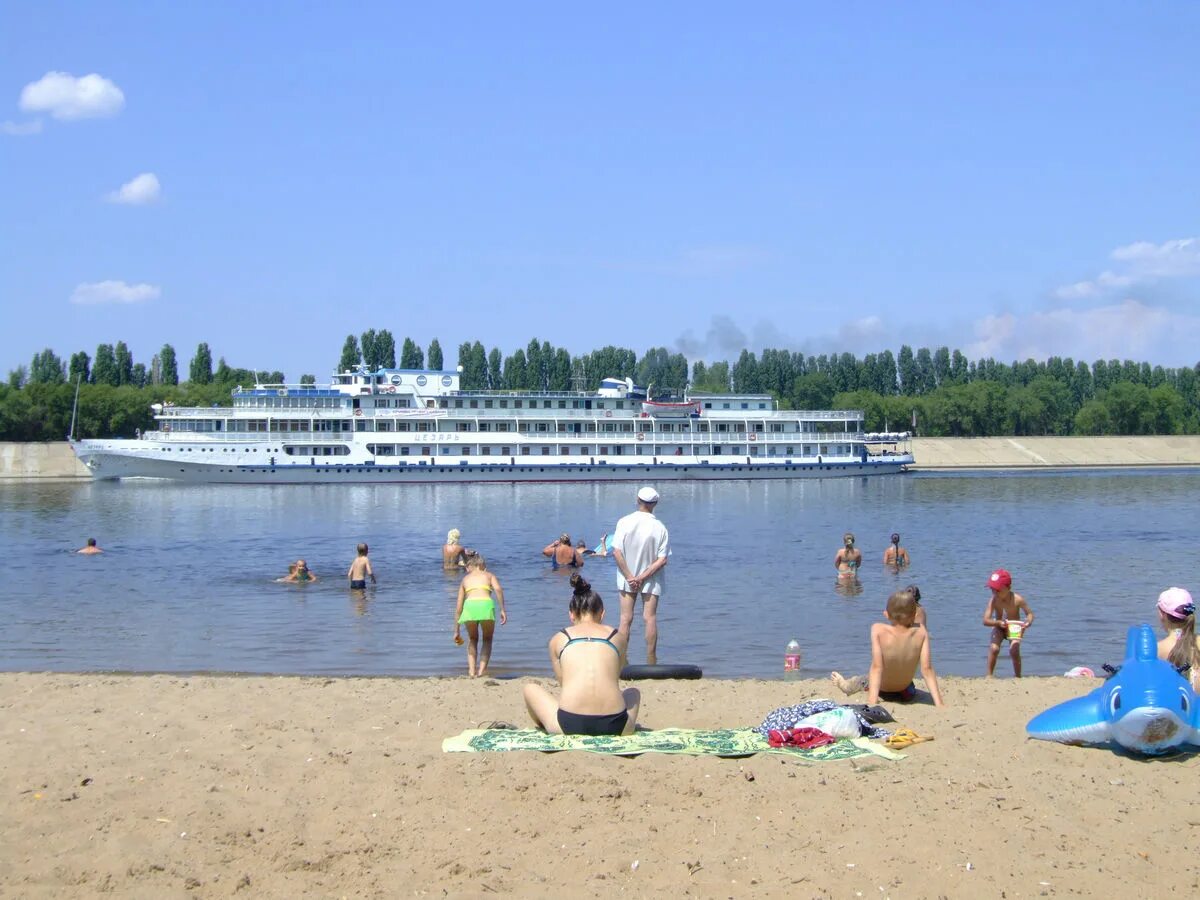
[[186, 582]]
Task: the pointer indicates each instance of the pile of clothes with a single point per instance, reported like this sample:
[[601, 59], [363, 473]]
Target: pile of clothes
[[815, 723]]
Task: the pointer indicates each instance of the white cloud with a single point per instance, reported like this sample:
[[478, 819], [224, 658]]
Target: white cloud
[[64, 96], [90, 293], [1170, 259], [1130, 329], [21, 129], [1144, 261], [141, 190], [1105, 281]]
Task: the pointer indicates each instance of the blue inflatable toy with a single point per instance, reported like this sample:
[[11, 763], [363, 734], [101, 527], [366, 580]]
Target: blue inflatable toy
[[1147, 706]]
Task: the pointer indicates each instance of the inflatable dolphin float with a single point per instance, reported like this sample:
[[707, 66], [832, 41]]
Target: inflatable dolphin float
[[1147, 706]]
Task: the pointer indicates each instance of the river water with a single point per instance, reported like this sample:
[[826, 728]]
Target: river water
[[186, 582]]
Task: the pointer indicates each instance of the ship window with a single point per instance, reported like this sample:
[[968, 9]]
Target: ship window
[[620, 404], [609, 426], [590, 426], [564, 450], [484, 426], [745, 406], [474, 404], [486, 451], [542, 426], [516, 404], [524, 451], [504, 404], [599, 404], [502, 426], [627, 427], [545, 451], [425, 451], [667, 426], [762, 406], [466, 451], [758, 426], [458, 404], [505, 451], [487, 404], [776, 426], [562, 404], [708, 406], [790, 451], [722, 427], [464, 426], [602, 450]]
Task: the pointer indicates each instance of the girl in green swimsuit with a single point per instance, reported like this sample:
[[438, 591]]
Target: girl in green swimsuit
[[478, 597]]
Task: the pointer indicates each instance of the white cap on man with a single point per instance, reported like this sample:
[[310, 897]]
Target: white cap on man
[[648, 495]]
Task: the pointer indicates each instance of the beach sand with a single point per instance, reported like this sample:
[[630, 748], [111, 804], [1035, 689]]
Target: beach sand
[[170, 786]]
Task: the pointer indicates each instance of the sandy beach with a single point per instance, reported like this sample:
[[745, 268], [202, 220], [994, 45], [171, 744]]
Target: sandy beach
[[170, 786]]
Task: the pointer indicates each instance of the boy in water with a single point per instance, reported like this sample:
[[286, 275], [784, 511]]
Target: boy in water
[[91, 549], [897, 647], [1003, 616], [360, 570]]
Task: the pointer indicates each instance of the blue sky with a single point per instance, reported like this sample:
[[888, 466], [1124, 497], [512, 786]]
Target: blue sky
[[1012, 180]]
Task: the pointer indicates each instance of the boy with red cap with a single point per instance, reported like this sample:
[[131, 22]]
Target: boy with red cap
[[1003, 616]]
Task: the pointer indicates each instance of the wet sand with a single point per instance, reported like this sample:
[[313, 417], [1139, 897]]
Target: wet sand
[[169, 786]]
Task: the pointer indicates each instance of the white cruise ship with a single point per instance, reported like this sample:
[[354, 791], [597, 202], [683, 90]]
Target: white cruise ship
[[401, 425]]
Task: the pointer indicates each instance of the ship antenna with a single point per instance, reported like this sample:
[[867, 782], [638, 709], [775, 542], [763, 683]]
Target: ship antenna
[[74, 407]]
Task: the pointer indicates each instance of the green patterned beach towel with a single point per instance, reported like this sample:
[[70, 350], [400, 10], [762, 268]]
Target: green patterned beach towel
[[722, 742]]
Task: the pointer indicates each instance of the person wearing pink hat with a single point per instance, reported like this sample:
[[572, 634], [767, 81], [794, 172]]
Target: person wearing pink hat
[[1180, 647], [1003, 616]]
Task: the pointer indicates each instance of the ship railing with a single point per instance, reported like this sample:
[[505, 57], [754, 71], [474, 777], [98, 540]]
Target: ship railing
[[673, 438]]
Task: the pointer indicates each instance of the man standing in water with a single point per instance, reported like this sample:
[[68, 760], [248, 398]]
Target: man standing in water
[[640, 548]]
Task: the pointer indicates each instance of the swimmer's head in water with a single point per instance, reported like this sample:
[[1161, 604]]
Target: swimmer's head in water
[[585, 601], [476, 561], [915, 591], [301, 566], [848, 538], [362, 549], [895, 537], [564, 538], [453, 535], [91, 542], [581, 545]]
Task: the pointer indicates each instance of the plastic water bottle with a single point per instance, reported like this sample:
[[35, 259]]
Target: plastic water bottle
[[791, 657]]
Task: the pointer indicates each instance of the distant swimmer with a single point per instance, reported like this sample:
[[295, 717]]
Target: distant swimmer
[[300, 574], [90, 549], [895, 555], [562, 554], [848, 558], [454, 554], [603, 548], [360, 570]]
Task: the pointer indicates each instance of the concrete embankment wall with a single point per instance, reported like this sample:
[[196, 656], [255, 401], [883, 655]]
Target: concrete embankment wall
[[55, 460], [49, 460], [1056, 452]]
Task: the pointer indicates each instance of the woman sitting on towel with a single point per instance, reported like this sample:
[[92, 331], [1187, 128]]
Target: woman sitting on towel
[[587, 662]]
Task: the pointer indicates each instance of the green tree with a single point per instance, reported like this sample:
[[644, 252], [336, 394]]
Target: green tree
[[200, 371], [745, 374], [139, 377], [385, 349], [124, 364], [81, 368], [411, 356], [370, 350], [17, 378], [474, 374], [516, 371], [907, 365], [1168, 412], [1129, 407], [104, 369], [435, 355], [495, 369], [47, 368], [813, 391], [1093, 419], [351, 355], [559, 378], [169, 367], [308, 380]]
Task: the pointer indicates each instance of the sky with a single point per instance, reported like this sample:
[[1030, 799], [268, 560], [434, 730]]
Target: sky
[[1013, 180]]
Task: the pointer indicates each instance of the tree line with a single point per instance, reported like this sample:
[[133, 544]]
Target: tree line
[[940, 390]]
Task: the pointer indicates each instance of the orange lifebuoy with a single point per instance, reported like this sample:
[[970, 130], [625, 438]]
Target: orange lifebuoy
[[753, 436], [641, 436], [608, 414], [358, 412], [391, 389]]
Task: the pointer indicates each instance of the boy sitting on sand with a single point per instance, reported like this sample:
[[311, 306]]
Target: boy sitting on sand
[[896, 647]]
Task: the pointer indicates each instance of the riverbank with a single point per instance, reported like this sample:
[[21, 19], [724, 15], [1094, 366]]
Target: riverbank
[[284, 787], [1056, 452], [34, 461]]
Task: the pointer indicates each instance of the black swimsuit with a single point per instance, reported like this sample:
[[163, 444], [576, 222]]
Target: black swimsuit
[[579, 723]]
